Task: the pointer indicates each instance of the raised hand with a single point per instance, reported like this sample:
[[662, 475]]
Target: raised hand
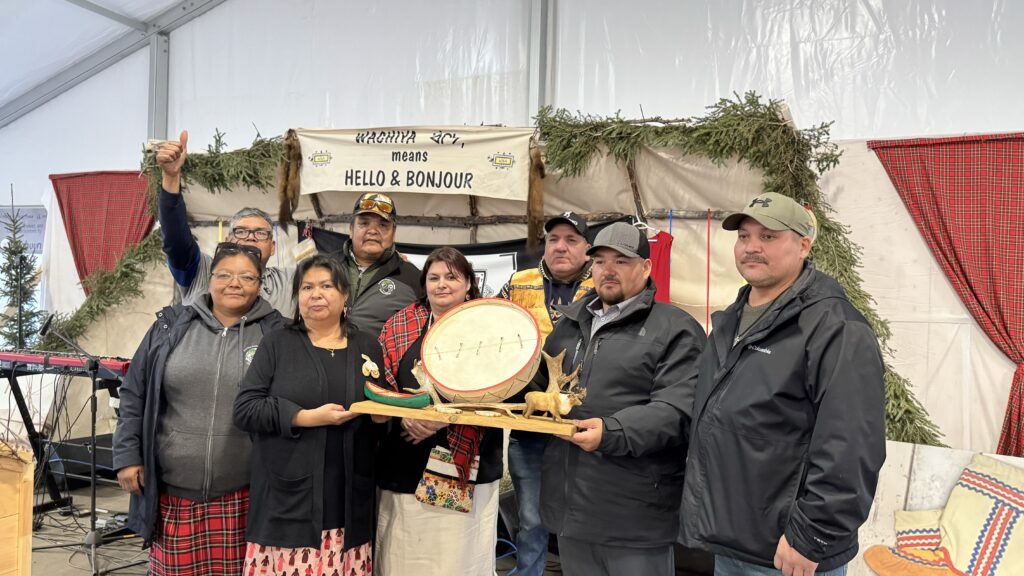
[[171, 156]]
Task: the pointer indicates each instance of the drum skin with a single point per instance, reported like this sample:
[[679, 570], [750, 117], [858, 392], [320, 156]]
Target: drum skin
[[483, 350]]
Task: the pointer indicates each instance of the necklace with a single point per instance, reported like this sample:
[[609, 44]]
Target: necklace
[[342, 342]]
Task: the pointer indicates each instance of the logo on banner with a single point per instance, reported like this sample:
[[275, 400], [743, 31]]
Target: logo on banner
[[386, 286], [502, 160], [320, 158]]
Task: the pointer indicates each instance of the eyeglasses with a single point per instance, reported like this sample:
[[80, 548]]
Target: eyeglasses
[[381, 205], [245, 279], [236, 248], [260, 234]]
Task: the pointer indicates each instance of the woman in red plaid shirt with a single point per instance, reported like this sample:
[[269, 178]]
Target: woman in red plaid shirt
[[439, 484]]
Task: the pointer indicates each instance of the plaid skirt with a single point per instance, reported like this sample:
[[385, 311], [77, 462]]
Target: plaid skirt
[[329, 560], [199, 539]]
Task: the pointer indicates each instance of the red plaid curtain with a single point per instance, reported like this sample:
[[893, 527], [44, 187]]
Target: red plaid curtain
[[966, 196], [104, 214]]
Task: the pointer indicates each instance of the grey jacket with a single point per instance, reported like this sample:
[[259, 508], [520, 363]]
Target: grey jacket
[[179, 426], [640, 371]]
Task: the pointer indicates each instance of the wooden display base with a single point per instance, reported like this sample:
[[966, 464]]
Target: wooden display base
[[541, 424]]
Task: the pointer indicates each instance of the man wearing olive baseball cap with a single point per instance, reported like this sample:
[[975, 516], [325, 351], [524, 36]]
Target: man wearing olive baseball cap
[[789, 425], [611, 490]]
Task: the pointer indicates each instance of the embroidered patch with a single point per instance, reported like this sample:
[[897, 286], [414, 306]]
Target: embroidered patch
[[248, 354], [370, 367], [386, 286]]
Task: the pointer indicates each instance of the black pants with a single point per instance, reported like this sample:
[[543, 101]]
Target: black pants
[[580, 558]]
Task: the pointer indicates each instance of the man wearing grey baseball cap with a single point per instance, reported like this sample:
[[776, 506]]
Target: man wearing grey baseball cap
[[611, 490], [788, 433]]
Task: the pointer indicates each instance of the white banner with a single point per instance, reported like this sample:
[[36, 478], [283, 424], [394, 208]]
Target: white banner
[[476, 160]]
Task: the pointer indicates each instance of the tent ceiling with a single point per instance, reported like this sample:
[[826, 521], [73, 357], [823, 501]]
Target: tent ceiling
[[43, 37]]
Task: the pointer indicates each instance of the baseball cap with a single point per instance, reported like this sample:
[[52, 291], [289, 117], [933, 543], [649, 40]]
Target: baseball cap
[[375, 203], [775, 212], [624, 239], [579, 223]]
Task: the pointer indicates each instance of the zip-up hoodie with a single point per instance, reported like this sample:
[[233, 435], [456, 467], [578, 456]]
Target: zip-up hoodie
[[200, 452], [144, 404]]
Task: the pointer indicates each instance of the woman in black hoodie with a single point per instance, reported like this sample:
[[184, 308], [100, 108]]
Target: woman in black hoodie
[[175, 448], [312, 465]]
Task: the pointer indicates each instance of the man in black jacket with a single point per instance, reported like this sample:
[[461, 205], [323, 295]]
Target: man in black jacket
[[382, 282], [611, 491], [788, 429]]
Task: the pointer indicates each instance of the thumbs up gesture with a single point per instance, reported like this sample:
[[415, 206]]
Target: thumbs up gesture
[[170, 157]]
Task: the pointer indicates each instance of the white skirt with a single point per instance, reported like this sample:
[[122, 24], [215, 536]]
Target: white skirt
[[414, 538]]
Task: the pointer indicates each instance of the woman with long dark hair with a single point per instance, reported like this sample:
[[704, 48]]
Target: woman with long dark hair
[[439, 483], [313, 463]]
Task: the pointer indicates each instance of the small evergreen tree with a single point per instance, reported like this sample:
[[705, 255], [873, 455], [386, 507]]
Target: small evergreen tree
[[19, 321]]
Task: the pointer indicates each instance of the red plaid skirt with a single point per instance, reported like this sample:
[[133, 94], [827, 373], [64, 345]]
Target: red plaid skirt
[[197, 539]]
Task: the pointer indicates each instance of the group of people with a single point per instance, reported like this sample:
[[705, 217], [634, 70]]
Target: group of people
[[760, 443]]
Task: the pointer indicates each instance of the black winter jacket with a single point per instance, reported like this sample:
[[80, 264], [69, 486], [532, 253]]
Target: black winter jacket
[[287, 487], [639, 371], [142, 404], [392, 285], [788, 429]]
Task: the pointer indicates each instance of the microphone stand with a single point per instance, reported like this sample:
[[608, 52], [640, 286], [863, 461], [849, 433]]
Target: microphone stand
[[93, 539]]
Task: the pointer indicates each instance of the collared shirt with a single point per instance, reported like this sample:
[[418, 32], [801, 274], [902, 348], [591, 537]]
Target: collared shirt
[[602, 316]]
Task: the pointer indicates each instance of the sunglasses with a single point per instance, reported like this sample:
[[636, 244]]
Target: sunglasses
[[383, 206], [236, 248]]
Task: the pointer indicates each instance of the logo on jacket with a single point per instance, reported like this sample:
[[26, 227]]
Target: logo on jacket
[[759, 349], [386, 286], [248, 354]]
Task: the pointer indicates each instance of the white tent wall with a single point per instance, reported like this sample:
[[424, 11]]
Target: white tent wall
[[877, 68], [98, 125], [294, 63]]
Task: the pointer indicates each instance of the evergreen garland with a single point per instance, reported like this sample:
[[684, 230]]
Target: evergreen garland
[[752, 131], [219, 171], [107, 289]]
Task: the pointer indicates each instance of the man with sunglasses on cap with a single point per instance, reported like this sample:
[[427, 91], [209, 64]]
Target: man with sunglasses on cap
[[788, 429], [189, 266], [611, 491], [382, 283], [562, 278]]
